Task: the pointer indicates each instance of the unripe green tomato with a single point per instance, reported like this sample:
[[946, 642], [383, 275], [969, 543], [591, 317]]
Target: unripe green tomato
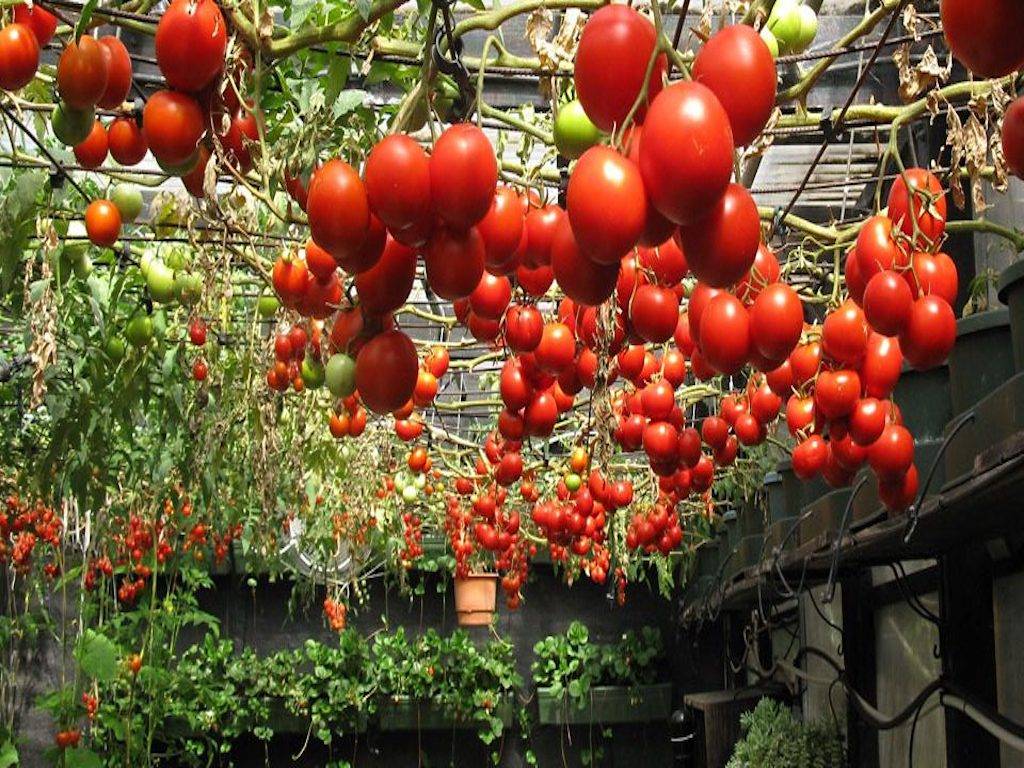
[[574, 132], [341, 375], [82, 266], [808, 29], [144, 261], [420, 481], [409, 494], [267, 305], [401, 481], [175, 259], [72, 126], [139, 330], [189, 287], [128, 200], [160, 281], [573, 481], [784, 22], [771, 41], [115, 348], [312, 372]]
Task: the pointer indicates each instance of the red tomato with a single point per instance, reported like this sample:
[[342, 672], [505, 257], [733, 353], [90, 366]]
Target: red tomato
[[437, 361], [805, 361], [855, 282], [1013, 137], [720, 247], [119, 73], [289, 278], [699, 299], [191, 40], [515, 390], [929, 333], [867, 421], [887, 303], [319, 261], [800, 415], [127, 144], [243, 131], [877, 250], [454, 261], [892, 454], [93, 151], [463, 175], [666, 260], [502, 228], [658, 398], [926, 202], [524, 326], [102, 223], [780, 379], [714, 431], [674, 367], [739, 69], [539, 229], [844, 335], [386, 286], [900, 493], [602, 181], [983, 34], [776, 321], [19, 57], [749, 431], [491, 297], [661, 442], [557, 348], [725, 334], [765, 404], [397, 177], [619, 34], [540, 415], [581, 279], [338, 209], [386, 371], [194, 179], [172, 125], [42, 23], [654, 313], [82, 73], [764, 271], [535, 281], [483, 328], [686, 151], [880, 369], [933, 274], [809, 457], [836, 393], [368, 254]]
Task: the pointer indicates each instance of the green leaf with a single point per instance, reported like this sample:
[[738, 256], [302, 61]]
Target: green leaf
[[97, 656], [8, 755], [85, 18], [337, 77], [80, 757], [364, 6], [348, 101]]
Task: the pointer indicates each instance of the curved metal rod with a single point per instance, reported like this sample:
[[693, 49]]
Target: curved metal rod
[[830, 591]]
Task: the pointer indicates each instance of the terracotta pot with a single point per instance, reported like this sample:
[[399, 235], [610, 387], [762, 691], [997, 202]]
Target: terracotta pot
[[475, 597]]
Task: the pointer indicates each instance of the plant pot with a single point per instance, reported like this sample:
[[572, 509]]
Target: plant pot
[[404, 714], [608, 705], [867, 506], [475, 598], [1011, 293], [982, 358], [924, 401], [996, 418], [751, 518], [778, 509], [799, 493], [822, 519]]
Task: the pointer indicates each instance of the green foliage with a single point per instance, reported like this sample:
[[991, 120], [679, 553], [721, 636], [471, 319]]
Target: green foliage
[[773, 738]]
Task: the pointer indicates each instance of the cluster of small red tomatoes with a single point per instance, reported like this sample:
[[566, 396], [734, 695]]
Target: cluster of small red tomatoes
[[27, 531]]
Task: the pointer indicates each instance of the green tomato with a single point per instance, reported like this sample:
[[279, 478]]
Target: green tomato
[[267, 305], [573, 481], [420, 481], [128, 200], [72, 126], [771, 41], [784, 23], [312, 372], [139, 330], [82, 266], [175, 259], [409, 494], [189, 287], [574, 132], [808, 29], [115, 348], [401, 482], [160, 281], [341, 375], [144, 261]]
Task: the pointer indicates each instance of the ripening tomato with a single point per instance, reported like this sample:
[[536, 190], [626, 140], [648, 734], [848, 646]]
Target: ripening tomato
[[386, 371], [119, 72], [926, 202], [880, 369], [191, 41], [502, 230], [720, 247], [580, 278], [619, 34], [397, 178], [892, 454], [126, 142], [19, 56], [686, 151], [844, 334], [93, 151], [337, 206], [887, 303], [172, 125], [982, 34], [385, 287], [82, 73], [654, 313], [603, 181], [42, 23], [1013, 137], [557, 348], [725, 333], [877, 250], [776, 321], [809, 457], [736, 64], [929, 333], [463, 175], [102, 222], [454, 261], [933, 274]]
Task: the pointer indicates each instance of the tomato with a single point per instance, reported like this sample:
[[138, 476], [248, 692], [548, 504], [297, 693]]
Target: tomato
[[699, 299], [540, 415], [765, 404], [19, 57], [736, 64], [602, 181], [191, 40], [289, 278], [836, 393], [673, 365], [926, 203], [780, 379], [892, 454], [619, 34], [535, 281], [776, 321], [93, 151], [880, 369], [574, 133], [337, 206], [720, 247], [540, 226], [714, 431], [491, 296], [454, 261], [172, 125], [127, 144], [386, 371], [725, 333], [1013, 137], [437, 361], [764, 271], [318, 261], [805, 361], [195, 179], [866, 422], [658, 398], [933, 274], [887, 303], [524, 326], [515, 390], [844, 335], [801, 415], [397, 178], [877, 250], [982, 34], [686, 152], [749, 431], [899, 493], [809, 457], [929, 333], [580, 278], [502, 230], [463, 175], [367, 255], [102, 222], [654, 313], [666, 261], [855, 282], [243, 132], [557, 348], [42, 23], [82, 73], [386, 286], [661, 442], [119, 73]]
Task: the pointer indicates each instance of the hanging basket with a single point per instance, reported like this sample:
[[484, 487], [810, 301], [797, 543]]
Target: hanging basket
[[475, 597]]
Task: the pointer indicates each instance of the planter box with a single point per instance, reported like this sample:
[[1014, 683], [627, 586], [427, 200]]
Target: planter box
[[822, 519], [1011, 293], [982, 358], [778, 509], [924, 401], [608, 705], [750, 551], [409, 715], [776, 537], [996, 417], [799, 493]]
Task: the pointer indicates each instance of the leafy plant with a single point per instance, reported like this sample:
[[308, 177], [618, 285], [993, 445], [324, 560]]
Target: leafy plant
[[773, 738]]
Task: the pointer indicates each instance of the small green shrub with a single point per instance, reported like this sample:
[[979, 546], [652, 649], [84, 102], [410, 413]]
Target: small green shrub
[[773, 738]]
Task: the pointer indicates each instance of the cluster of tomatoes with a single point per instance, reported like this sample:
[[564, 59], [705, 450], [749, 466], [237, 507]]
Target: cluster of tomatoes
[[26, 530], [656, 530], [197, 337], [336, 613]]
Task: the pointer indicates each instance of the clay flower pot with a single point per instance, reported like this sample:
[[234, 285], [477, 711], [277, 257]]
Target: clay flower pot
[[475, 597]]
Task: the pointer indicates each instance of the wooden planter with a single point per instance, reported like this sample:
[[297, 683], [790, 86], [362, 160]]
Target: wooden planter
[[1011, 293], [403, 714], [475, 598], [607, 705], [982, 358]]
